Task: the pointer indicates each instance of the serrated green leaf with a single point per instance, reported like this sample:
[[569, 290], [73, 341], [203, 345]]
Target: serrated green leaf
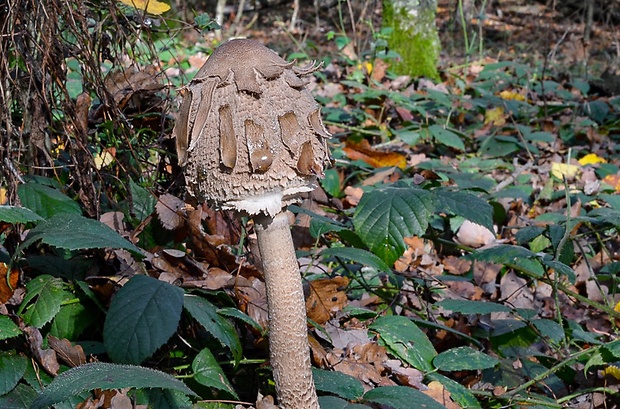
[[360, 256], [15, 214], [143, 201], [406, 341], [613, 348], [12, 368], [44, 295], [167, 399], [472, 307], [206, 314], [241, 316], [401, 397], [208, 372], [143, 315], [71, 320], [101, 375], [333, 402], [384, 217], [502, 254], [463, 359], [459, 393], [46, 201], [75, 232], [8, 329], [466, 205], [20, 397], [338, 383], [446, 137]]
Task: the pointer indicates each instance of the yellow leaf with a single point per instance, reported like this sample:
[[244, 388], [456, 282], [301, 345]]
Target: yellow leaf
[[3, 196], [561, 170], [617, 307], [511, 95], [612, 370], [591, 159], [495, 116], [104, 158], [150, 6]]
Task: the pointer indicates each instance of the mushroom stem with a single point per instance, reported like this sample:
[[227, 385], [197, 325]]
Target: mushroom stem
[[289, 349]]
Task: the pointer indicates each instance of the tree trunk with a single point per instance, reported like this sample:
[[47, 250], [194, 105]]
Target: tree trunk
[[414, 36]]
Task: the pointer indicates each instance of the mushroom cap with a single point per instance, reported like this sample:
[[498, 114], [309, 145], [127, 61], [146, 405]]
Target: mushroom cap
[[249, 131]]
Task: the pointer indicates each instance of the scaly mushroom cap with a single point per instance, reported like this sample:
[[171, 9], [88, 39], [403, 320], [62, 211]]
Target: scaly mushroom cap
[[249, 131]]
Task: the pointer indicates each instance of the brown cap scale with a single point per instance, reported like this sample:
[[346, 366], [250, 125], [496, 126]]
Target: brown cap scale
[[251, 137]]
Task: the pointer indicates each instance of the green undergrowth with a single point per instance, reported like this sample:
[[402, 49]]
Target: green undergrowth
[[494, 144]]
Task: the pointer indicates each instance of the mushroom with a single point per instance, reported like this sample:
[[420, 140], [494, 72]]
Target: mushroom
[[251, 137]]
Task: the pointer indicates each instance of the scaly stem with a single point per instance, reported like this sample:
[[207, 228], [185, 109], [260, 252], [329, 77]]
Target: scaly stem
[[288, 331]]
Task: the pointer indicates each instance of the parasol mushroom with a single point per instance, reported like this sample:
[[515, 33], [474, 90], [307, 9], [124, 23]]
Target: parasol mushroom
[[252, 140]]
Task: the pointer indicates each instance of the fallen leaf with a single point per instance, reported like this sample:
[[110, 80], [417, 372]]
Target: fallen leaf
[[437, 391], [375, 158], [150, 6], [495, 116], [45, 357], [613, 181], [511, 95], [564, 170], [591, 159], [71, 355], [171, 211], [327, 296], [104, 158], [8, 282]]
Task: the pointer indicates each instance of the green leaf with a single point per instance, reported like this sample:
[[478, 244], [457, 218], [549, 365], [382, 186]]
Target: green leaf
[[466, 205], [401, 397], [75, 232], [446, 137], [206, 314], [208, 372], [338, 383], [167, 399], [20, 397], [8, 329], [406, 341], [100, 375], [241, 316], [143, 201], [12, 368], [384, 217], [459, 393], [472, 307], [71, 320], [143, 315], [45, 201], [360, 256], [614, 348], [15, 214], [44, 294], [332, 402], [331, 183], [463, 359]]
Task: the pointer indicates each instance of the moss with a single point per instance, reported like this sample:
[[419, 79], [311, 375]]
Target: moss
[[414, 36]]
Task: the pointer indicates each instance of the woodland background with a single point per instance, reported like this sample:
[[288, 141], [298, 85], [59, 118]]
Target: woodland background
[[488, 275]]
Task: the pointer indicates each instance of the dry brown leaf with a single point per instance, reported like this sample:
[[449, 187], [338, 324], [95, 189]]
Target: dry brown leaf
[[378, 159], [71, 355], [326, 297], [45, 357], [8, 282], [437, 391], [171, 211], [354, 194], [456, 265], [406, 376]]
